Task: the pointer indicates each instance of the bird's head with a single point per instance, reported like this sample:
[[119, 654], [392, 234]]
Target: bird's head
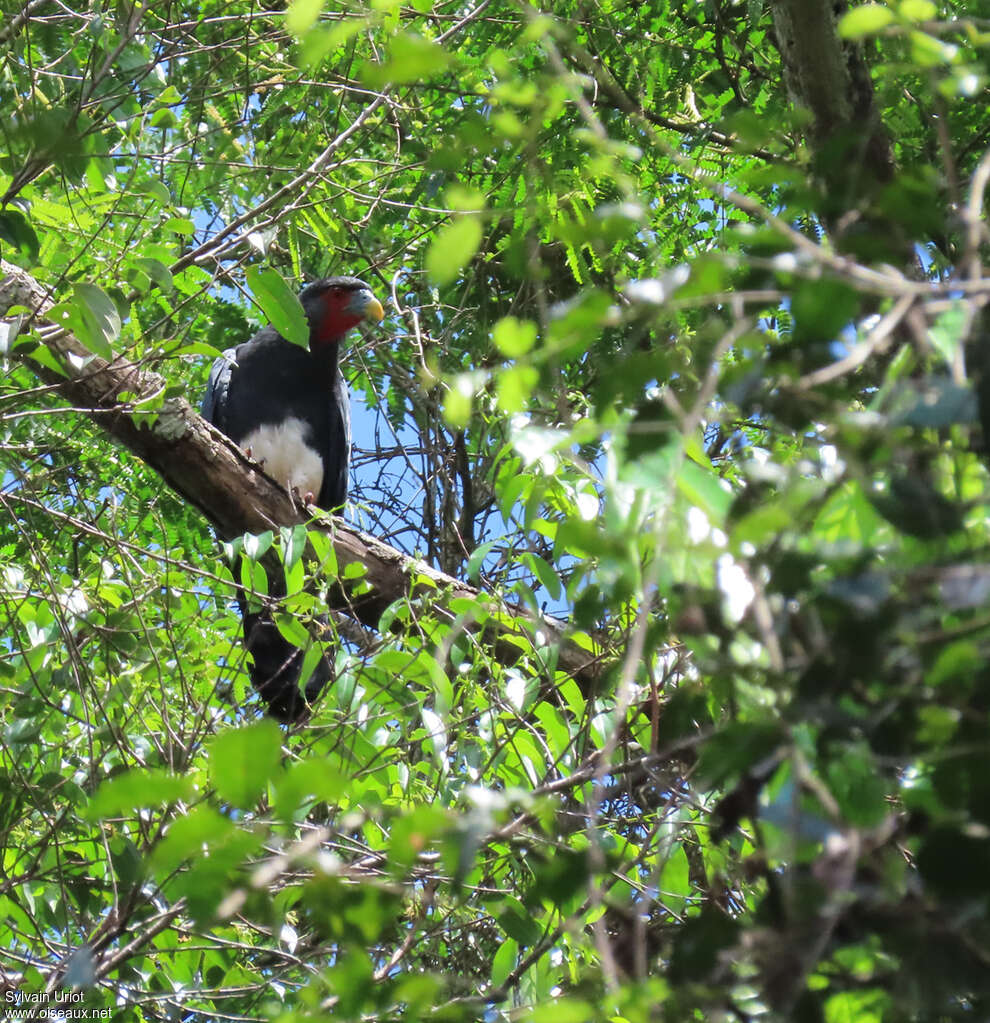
[[336, 304]]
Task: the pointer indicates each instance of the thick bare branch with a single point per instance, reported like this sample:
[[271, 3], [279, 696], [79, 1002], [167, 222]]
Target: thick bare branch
[[830, 78]]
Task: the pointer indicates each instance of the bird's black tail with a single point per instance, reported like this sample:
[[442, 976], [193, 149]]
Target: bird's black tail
[[277, 663]]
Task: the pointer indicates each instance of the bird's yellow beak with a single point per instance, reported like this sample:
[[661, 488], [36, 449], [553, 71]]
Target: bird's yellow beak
[[373, 310], [363, 305]]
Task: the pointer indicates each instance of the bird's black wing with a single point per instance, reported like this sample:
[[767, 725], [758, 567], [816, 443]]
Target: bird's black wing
[[337, 455], [217, 387]]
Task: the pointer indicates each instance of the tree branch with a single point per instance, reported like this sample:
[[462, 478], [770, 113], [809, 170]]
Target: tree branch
[[829, 77]]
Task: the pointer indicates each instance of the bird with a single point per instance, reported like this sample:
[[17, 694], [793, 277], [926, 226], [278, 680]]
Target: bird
[[287, 407]]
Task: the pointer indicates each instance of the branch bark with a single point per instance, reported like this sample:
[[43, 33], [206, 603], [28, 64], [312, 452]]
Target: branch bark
[[830, 78], [215, 476]]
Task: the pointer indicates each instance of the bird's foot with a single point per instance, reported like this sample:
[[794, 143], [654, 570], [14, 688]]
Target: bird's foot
[[308, 499], [250, 454]]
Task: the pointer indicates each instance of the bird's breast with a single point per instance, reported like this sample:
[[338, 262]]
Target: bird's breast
[[286, 454]]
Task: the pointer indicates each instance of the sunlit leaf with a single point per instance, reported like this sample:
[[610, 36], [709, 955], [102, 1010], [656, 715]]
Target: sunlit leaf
[[135, 790], [452, 248], [243, 760], [514, 387], [411, 58], [279, 304], [302, 15], [514, 337], [865, 20]]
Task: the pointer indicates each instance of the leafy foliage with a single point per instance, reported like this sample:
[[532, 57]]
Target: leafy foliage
[[665, 357]]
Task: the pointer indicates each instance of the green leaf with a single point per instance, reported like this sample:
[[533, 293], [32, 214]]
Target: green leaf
[[159, 190], [292, 630], [196, 348], [864, 21], [43, 355], [318, 41], [319, 778], [256, 546], [514, 387], [135, 790], [211, 875], [311, 658], [699, 943], [514, 337], [927, 51], [477, 559], [96, 322], [436, 734], [849, 516], [555, 726], [704, 490], [279, 304], [947, 331], [870, 1006], [549, 579], [556, 880], [458, 400], [959, 660], [859, 787], [163, 118], [169, 95], [186, 837], [917, 10], [452, 248], [16, 230], [562, 1010], [414, 833], [180, 225], [243, 760], [302, 15], [504, 961], [254, 579], [822, 308], [411, 58], [520, 925], [933, 402], [913, 505], [156, 270], [736, 748], [675, 879]]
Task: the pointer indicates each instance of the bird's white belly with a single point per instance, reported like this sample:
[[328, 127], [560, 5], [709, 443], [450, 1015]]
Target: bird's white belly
[[286, 456]]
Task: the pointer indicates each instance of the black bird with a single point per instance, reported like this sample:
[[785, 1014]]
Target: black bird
[[288, 408]]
